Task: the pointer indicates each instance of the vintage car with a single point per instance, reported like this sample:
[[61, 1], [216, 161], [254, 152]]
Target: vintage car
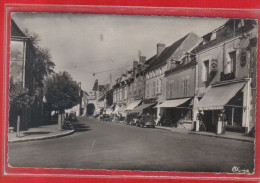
[[72, 117], [146, 120], [105, 117], [131, 119]]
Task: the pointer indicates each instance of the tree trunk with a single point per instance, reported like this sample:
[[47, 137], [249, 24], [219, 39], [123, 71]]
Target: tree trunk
[[60, 120], [18, 126]]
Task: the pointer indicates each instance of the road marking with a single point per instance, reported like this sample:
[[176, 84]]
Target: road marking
[[93, 143]]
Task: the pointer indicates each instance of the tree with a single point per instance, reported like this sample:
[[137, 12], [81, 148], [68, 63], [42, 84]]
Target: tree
[[19, 100], [109, 98], [61, 93], [95, 87], [43, 64]]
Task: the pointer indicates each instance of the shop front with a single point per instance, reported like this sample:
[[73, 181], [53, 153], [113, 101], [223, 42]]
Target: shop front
[[132, 105], [226, 104], [174, 112], [145, 109]]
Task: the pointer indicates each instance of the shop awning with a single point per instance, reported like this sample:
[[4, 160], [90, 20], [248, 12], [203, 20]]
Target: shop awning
[[140, 108], [217, 97], [133, 105], [172, 103], [122, 108], [116, 109]]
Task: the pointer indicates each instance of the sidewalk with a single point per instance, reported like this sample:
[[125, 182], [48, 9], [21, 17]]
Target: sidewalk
[[39, 133], [227, 135]]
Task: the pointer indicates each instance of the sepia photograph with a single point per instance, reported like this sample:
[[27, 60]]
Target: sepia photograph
[[132, 92]]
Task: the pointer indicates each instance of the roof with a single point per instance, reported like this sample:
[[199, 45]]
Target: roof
[[181, 67], [150, 60], [167, 52], [225, 35], [16, 31]]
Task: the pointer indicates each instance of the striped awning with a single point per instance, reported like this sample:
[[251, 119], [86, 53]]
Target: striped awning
[[172, 103], [217, 97]]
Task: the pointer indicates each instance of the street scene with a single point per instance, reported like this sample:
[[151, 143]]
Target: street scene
[[121, 92], [101, 145]]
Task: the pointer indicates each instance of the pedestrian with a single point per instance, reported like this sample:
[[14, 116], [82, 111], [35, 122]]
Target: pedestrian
[[200, 117], [224, 120]]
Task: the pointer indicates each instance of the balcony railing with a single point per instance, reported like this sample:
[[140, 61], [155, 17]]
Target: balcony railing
[[229, 76]]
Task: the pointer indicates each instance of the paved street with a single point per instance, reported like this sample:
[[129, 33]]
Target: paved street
[[108, 145]]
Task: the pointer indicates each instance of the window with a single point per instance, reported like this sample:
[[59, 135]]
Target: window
[[205, 71], [171, 88], [154, 87], [232, 56], [120, 94], [147, 89], [125, 93], [213, 36], [230, 63], [160, 86], [168, 89], [157, 86], [241, 24], [185, 85]]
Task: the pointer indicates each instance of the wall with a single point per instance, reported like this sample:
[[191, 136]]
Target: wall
[[178, 84], [220, 53]]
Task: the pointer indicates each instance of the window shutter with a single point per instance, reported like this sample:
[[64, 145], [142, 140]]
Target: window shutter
[[167, 89], [188, 85]]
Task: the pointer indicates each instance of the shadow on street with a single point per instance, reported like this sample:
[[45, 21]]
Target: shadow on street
[[79, 127], [35, 133]]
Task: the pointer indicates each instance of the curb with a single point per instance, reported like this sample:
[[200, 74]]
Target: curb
[[184, 132], [223, 137], [43, 138], [216, 136]]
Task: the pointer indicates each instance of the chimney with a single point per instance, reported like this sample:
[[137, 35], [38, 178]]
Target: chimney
[[135, 63], [142, 60], [160, 48]]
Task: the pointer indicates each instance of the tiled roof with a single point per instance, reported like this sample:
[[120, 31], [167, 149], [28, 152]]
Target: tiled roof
[[16, 31], [167, 52], [181, 67]]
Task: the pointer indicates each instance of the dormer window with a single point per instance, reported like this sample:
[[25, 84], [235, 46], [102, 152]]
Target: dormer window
[[241, 24], [213, 36]]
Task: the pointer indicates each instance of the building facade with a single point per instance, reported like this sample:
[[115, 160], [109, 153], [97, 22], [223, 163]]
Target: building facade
[[164, 60], [21, 71], [226, 80]]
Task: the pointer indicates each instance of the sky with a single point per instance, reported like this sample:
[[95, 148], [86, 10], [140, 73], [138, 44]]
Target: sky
[[83, 44]]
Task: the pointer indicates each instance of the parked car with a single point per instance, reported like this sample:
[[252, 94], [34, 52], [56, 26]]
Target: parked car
[[73, 117], [146, 120], [105, 117], [134, 121], [130, 119]]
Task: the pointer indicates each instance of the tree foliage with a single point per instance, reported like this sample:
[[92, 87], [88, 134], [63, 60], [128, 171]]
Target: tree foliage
[[109, 98], [43, 64], [61, 91], [95, 87], [19, 97]]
